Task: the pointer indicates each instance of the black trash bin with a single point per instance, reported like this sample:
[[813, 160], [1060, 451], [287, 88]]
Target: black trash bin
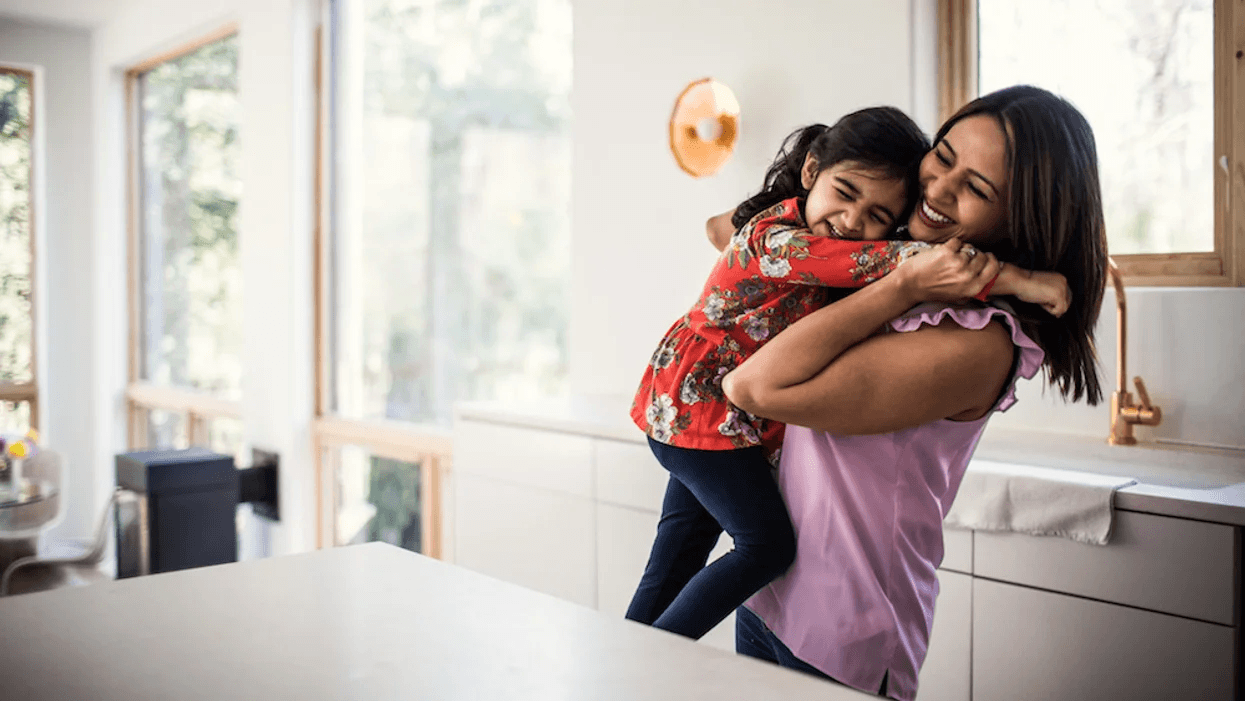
[[183, 513]]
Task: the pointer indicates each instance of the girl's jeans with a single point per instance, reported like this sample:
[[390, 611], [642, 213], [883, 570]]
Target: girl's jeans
[[754, 639], [710, 491]]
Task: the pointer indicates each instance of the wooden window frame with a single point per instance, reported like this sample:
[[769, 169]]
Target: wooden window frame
[[1225, 266], [141, 397], [428, 446], [28, 392]]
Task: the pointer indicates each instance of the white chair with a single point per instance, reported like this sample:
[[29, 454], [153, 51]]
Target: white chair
[[40, 573], [22, 521], [61, 564]]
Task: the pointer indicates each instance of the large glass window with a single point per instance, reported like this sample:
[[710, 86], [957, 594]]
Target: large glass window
[[450, 245], [1143, 75], [444, 266], [17, 381], [190, 298]]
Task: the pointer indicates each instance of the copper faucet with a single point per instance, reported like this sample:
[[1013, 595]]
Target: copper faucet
[[1124, 413]]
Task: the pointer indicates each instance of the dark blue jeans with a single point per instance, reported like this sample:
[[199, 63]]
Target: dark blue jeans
[[754, 639], [710, 491]]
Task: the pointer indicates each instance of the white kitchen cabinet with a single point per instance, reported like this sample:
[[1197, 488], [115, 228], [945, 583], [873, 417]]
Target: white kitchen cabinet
[[1152, 615], [957, 550], [1038, 646], [628, 474], [947, 672], [559, 462], [624, 538], [1172, 565], [537, 538]]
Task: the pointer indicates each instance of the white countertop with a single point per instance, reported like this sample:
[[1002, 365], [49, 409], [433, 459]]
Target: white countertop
[[1197, 483], [362, 622]]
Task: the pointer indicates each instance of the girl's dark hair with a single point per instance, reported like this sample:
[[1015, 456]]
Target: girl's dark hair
[[878, 138], [1055, 222]]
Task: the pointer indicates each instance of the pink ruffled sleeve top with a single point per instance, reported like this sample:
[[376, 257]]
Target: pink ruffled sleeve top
[[868, 511]]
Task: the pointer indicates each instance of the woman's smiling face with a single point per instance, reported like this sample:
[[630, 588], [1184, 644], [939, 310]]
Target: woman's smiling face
[[964, 184]]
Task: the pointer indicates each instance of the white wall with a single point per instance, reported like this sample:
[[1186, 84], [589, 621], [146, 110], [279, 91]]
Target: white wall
[[1188, 346], [640, 255], [275, 216], [63, 241]]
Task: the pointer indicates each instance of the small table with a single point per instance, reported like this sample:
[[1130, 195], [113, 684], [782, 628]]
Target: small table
[[23, 514], [361, 622], [29, 493]]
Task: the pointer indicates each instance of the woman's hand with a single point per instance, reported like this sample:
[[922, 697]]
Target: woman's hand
[[950, 272]]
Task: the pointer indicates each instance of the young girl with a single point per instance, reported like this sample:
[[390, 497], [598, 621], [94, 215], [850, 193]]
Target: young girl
[[828, 199]]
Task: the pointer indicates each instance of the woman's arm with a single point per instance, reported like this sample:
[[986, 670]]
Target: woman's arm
[[822, 373]]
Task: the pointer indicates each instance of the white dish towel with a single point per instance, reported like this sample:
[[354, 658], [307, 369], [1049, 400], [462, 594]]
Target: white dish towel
[[1042, 501]]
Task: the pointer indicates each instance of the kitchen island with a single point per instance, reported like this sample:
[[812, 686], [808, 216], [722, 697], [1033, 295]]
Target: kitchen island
[[367, 622]]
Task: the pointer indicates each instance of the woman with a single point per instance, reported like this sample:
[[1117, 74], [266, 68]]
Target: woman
[[870, 479]]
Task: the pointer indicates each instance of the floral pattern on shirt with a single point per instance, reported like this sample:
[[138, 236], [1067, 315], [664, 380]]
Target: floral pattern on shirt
[[773, 272]]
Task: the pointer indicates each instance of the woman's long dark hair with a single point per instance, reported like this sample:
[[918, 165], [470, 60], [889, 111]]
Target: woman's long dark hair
[[1055, 222], [877, 138]]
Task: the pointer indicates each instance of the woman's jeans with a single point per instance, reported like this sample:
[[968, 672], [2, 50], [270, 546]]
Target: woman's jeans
[[710, 491], [754, 639]]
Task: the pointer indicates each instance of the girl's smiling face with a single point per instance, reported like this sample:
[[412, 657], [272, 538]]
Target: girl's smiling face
[[850, 201], [964, 184]]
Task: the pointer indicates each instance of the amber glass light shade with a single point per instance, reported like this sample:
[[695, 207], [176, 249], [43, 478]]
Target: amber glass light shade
[[704, 127]]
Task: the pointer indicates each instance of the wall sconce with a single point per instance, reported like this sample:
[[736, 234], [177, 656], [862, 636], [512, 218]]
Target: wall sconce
[[704, 127]]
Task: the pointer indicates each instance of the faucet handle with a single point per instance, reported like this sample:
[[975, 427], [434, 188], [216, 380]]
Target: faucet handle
[[1142, 393]]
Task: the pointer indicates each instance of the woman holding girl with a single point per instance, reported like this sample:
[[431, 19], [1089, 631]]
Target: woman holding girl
[[886, 400], [830, 198]]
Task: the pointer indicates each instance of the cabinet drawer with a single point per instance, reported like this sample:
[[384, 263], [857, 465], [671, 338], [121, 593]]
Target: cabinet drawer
[[1154, 562], [535, 538], [628, 474], [532, 457], [1040, 646], [946, 674], [957, 550], [624, 539]]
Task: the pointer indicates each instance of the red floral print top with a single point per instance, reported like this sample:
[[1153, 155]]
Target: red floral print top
[[773, 272]]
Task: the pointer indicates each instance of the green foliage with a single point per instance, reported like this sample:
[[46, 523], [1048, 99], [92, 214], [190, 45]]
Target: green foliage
[[394, 490], [15, 232], [191, 192]]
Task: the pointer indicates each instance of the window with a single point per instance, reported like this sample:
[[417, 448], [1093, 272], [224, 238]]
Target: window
[[382, 491], [1152, 79], [186, 313], [445, 250], [19, 394]]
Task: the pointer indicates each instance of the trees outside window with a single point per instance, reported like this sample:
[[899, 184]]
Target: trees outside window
[[187, 334], [448, 244], [18, 390]]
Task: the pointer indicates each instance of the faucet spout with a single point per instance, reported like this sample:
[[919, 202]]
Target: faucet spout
[[1124, 413], [1121, 325]]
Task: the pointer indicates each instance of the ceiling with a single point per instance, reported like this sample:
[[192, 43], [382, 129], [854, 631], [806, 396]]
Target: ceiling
[[76, 13]]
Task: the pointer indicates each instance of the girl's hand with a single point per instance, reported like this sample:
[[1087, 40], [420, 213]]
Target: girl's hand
[[950, 272], [720, 230], [1048, 289]]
